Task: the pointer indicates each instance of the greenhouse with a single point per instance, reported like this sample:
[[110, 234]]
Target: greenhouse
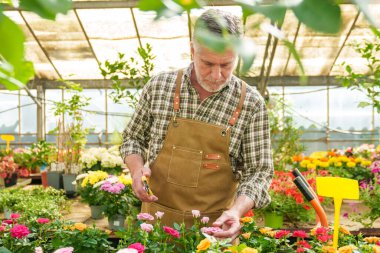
[[189, 126]]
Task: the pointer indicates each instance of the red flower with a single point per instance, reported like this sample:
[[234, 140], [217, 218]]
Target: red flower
[[281, 233], [137, 246], [300, 234], [304, 244], [43, 220], [171, 231], [15, 215], [249, 213], [306, 207], [19, 231]]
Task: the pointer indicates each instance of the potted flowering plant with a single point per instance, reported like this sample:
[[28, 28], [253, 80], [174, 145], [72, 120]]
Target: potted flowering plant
[[118, 199], [287, 201], [90, 194], [8, 169], [108, 160]]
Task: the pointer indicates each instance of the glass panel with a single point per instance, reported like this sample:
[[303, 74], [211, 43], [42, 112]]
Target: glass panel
[[94, 115], [118, 116], [307, 105], [314, 146], [9, 112], [344, 113], [28, 113], [51, 95]]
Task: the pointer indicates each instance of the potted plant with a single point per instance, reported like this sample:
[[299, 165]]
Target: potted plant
[[71, 138], [118, 200], [8, 169], [90, 194], [108, 160]]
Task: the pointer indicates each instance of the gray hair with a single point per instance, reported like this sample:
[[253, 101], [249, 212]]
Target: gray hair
[[218, 22]]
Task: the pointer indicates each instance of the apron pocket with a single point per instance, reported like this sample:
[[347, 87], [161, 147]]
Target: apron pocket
[[184, 166]]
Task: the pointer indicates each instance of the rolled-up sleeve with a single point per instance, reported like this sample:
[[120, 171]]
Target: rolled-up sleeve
[[136, 134], [257, 173]]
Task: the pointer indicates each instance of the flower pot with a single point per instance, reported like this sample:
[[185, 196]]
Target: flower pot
[[7, 213], [44, 181], [96, 212], [273, 220], [70, 188], [10, 181], [55, 180], [116, 222]]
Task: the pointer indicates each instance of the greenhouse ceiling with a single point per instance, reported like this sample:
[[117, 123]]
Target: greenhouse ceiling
[[74, 45]]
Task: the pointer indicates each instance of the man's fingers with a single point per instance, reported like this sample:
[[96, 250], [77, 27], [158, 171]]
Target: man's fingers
[[146, 172], [232, 232]]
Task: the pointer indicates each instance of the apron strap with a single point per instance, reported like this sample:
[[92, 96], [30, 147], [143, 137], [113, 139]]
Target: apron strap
[[237, 112], [177, 91]]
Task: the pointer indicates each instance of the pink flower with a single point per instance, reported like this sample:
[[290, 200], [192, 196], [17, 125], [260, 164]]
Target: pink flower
[[9, 222], [15, 216], [300, 234], [2, 228], [281, 233], [19, 231], [205, 220], [64, 250], [127, 251], [171, 231], [137, 246], [43, 220], [159, 214], [196, 213], [145, 216], [211, 230], [38, 250], [146, 227]]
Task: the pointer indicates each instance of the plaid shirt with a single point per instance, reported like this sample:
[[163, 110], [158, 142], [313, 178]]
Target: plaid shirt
[[250, 148]]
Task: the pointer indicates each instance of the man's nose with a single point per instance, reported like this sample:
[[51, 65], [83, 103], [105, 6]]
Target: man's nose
[[216, 72]]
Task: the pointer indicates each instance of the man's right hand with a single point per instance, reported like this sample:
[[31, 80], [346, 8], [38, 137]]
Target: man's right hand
[[138, 187]]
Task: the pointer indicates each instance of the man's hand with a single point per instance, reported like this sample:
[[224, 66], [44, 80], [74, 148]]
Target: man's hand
[[229, 221], [138, 187]]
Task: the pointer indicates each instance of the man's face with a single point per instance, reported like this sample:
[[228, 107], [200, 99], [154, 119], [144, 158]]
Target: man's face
[[213, 70]]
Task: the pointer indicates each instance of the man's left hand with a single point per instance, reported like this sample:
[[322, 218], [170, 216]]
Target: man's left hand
[[229, 221]]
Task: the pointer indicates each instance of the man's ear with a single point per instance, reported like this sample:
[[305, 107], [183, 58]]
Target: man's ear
[[192, 49]]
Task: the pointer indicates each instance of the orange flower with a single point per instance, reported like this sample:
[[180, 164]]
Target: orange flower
[[376, 249], [265, 230], [331, 153], [246, 219], [249, 250], [347, 249], [80, 226], [203, 245], [372, 239], [297, 158], [344, 231], [328, 249], [246, 235]]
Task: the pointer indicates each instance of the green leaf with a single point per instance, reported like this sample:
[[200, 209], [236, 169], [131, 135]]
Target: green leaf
[[12, 41], [293, 51], [190, 4], [4, 250], [375, 31], [46, 9], [163, 8], [363, 104], [274, 12], [246, 49], [150, 5], [319, 15], [211, 41]]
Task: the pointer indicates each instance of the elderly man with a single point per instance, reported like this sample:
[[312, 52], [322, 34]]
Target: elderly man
[[203, 136]]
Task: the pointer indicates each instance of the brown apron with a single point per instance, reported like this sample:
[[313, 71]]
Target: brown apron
[[193, 169]]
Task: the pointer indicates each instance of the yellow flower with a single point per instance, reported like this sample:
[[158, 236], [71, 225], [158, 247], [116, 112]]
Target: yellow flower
[[311, 166], [376, 249], [351, 164], [365, 163], [80, 226], [318, 154], [246, 219], [372, 239], [344, 231], [265, 230], [343, 159], [338, 164], [249, 250], [347, 249], [246, 235], [125, 180], [358, 159], [333, 160], [271, 233], [324, 164], [313, 231], [107, 231], [304, 163], [328, 249], [84, 182], [204, 245]]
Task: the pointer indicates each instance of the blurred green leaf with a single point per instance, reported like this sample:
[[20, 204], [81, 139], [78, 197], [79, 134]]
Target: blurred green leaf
[[9, 82], [363, 104], [320, 15], [276, 13], [211, 41], [150, 5], [11, 42], [293, 51], [163, 8], [190, 4], [375, 31], [4, 250], [46, 9], [363, 7], [246, 49]]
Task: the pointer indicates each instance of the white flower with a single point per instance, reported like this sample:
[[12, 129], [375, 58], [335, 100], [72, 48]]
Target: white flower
[[128, 251], [79, 177]]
